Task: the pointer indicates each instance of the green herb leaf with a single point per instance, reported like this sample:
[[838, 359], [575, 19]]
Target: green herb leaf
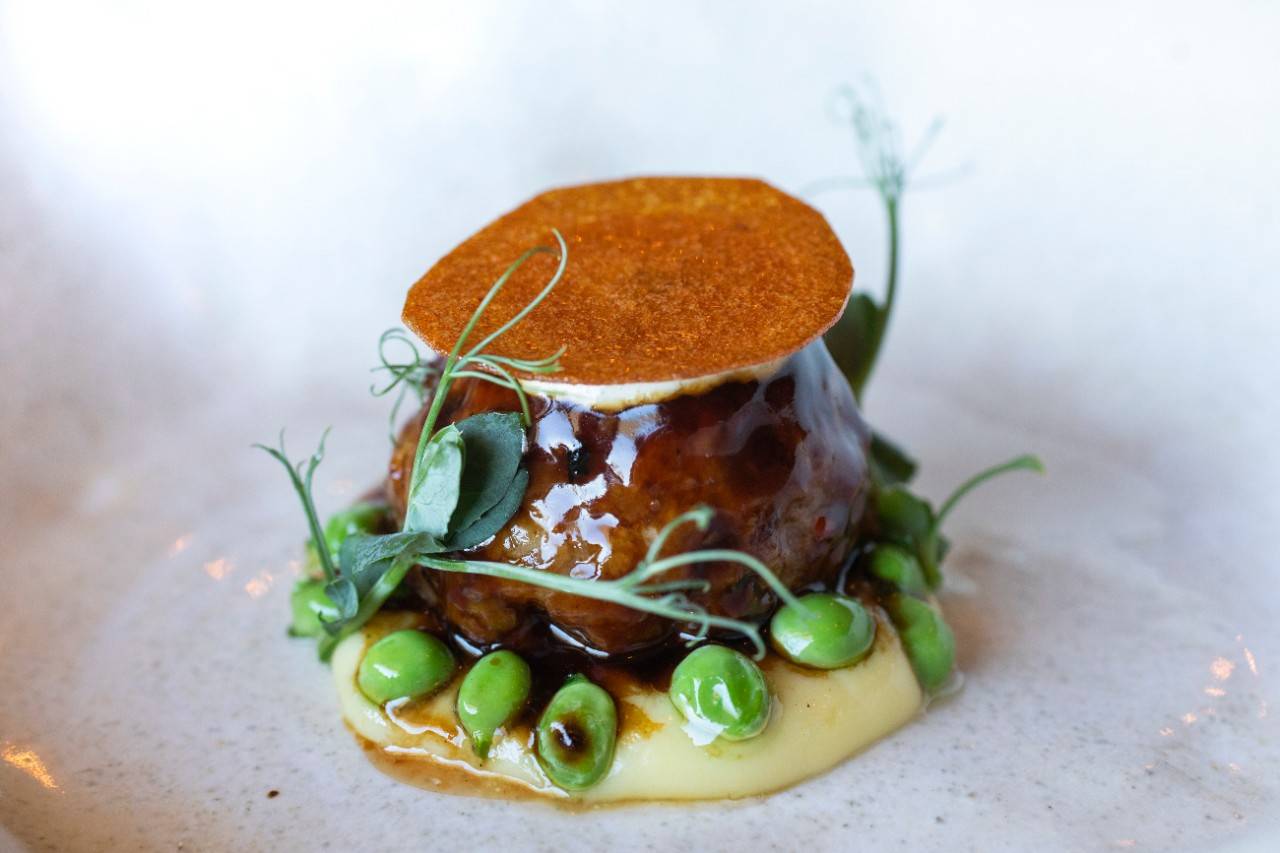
[[382, 588], [342, 592], [434, 486], [368, 557], [494, 447], [853, 339], [495, 518], [907, 520], [903, 517], [302, 485], [375, 566], [890, 464]]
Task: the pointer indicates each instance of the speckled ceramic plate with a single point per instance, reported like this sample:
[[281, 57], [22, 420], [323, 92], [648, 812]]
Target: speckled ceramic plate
[[179, 281]]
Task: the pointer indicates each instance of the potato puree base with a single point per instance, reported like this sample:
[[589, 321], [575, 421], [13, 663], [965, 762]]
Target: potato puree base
[[818, 719]]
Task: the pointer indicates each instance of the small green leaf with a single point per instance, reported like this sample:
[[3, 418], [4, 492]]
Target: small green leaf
[[383, 587], [434, 485], [342, 592], [494, 446], [493, 520], [903, 517], [367, 557], [890, 464], [907, 520], [374, 567], [853, 340]]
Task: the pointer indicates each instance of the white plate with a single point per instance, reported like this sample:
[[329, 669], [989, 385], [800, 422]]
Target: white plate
[[177, 285]]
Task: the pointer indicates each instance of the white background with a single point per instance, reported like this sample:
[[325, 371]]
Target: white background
[[271, 177], [219, 207]]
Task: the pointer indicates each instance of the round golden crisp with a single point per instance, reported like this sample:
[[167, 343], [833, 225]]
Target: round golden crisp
[[667, 278]]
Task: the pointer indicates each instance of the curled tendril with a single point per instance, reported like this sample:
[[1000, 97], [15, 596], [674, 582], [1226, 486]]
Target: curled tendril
[[408, 374], [413, 371]]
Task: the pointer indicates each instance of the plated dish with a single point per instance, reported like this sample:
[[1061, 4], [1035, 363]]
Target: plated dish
[[637, 543]]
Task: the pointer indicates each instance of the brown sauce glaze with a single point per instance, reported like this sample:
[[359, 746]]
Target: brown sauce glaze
[[782, 461]]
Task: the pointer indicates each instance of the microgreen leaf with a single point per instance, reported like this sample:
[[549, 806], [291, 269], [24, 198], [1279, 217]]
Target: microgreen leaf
[[890, 464], [388, 577], [495, 518], [852, 340], [302, 485], [903, 517], [342, 592], [434, 486], [375, 566], [494, 446], [368, 556]]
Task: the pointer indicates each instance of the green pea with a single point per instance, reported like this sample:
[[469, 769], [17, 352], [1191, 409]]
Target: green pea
[[364, 517], [404, 664], [310, 604], [491, 694], [926, 638], [722, 693], [826, 632], [899, 567], [576, 734]]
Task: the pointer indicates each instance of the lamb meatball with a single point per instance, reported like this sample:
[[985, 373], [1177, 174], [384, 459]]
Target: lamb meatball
[[781, 460]]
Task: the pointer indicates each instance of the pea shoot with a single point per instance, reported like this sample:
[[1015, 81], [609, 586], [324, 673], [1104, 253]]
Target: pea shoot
[[467, 481]]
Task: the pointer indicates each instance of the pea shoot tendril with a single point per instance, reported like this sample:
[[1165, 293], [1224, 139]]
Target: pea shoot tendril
[[302, 485], [639, 589], [858, 336], [409, 376]]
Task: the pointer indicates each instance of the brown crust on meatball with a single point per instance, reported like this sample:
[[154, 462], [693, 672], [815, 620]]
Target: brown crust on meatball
[[667, 278], [781, 460]]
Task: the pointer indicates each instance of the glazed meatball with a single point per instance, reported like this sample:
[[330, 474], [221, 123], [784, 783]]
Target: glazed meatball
[[781, 460]]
